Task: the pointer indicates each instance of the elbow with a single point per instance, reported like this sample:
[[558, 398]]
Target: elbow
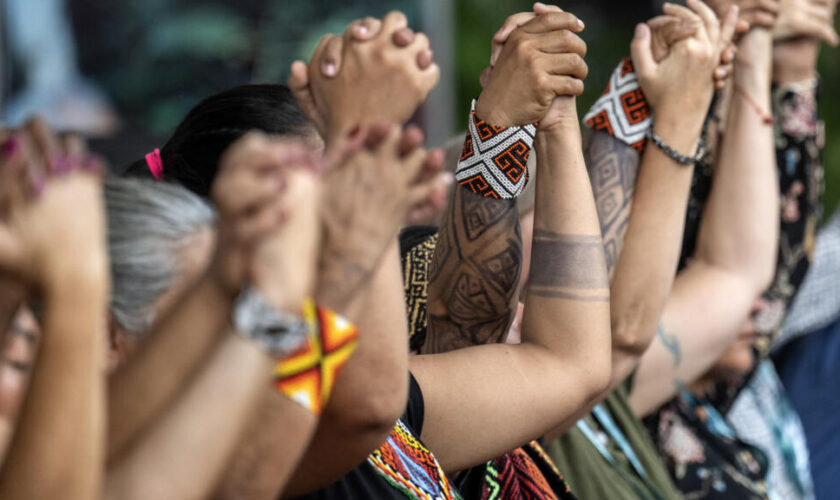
[[764, 277], [372, 413], [633, 330], [599, 377]]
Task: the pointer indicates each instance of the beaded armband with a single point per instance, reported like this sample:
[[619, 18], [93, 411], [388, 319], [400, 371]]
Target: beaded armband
[[308, 376], [494, 161], [622, 110]]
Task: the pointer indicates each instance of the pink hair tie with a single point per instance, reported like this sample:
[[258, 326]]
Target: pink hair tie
[[155, 164]]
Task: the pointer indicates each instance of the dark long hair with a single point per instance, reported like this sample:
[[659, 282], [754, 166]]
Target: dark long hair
[[191, 156]]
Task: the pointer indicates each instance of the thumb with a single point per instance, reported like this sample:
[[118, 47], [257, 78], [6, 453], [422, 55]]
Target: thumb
[[299, 85], [641, 50]]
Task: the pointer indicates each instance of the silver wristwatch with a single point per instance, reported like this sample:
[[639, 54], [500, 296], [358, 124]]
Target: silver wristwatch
[[279, 332]]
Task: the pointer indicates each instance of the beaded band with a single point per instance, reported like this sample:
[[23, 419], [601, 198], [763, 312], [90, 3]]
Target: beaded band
[[622, 110], [494, 161], [308, 376], [673, 154]]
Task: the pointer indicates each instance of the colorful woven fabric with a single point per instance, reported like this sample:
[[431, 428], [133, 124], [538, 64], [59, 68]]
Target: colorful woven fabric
[[309, 375], [526, 473], [408, 466], [622, 110], [417, 262], [494, 161]]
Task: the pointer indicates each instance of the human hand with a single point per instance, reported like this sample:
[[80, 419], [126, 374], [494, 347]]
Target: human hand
[[361, 30], [682, 81], [807, 18], [285, 263], [540, 60], [51, 213], [381, 175], [754, 13], [249, 196], [666, 31], [373, 81]]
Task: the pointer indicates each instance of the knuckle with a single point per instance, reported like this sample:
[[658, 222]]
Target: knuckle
[[396, 17]]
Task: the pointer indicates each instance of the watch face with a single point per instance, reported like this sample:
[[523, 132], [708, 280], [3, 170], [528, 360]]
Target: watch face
[[279, 332]]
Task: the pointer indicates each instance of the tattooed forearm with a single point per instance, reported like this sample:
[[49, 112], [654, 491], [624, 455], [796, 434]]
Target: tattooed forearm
[[475, 273], [672, 343], [568, 267], [612, 169]]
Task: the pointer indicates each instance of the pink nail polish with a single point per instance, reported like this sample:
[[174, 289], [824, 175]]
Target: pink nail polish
[[11, 146], [38, 185]]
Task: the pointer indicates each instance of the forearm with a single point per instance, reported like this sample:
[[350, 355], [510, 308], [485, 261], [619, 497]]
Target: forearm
[[271, 450], [568, 284], [737, 246], [58, 449], [475, 273], [739, 230], [645, 272], [795, 60], [175, 349], [185, 457], [370, 393]]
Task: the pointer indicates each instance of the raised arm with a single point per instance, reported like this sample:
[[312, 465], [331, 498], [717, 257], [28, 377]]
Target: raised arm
[[378, 189], [55, 244], [186, 448], [737, 241], [563, 360], [679, 89]]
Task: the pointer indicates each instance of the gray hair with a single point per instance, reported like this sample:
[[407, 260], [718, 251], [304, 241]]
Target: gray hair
[[149, 224]]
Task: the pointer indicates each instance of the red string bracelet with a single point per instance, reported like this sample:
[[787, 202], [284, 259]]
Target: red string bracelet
[[765, 117]]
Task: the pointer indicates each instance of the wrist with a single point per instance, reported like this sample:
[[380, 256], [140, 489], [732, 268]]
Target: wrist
[[795, 60], [562, 118], [487, 111], [88, 275]]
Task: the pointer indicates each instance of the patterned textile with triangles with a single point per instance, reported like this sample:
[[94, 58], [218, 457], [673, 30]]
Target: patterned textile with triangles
[[622, 110], [308, 376], [410, 467], [494, 161], [526, 473]]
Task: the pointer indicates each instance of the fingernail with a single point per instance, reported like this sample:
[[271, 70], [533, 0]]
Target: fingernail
[[10, 147], [355, 133], [38, 185], [92, 164], [329, 69], [580, 24], [641, 32], [539, 4], [447, 178], [361, 30]]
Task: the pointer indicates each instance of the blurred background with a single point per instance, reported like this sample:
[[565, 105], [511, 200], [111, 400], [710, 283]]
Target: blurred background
[[125, 72]]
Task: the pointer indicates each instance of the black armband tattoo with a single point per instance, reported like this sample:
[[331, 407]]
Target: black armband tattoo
[[568, 267]]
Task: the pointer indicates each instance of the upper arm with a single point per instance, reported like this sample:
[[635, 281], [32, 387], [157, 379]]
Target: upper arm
[[471, 394], [702, 318]]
